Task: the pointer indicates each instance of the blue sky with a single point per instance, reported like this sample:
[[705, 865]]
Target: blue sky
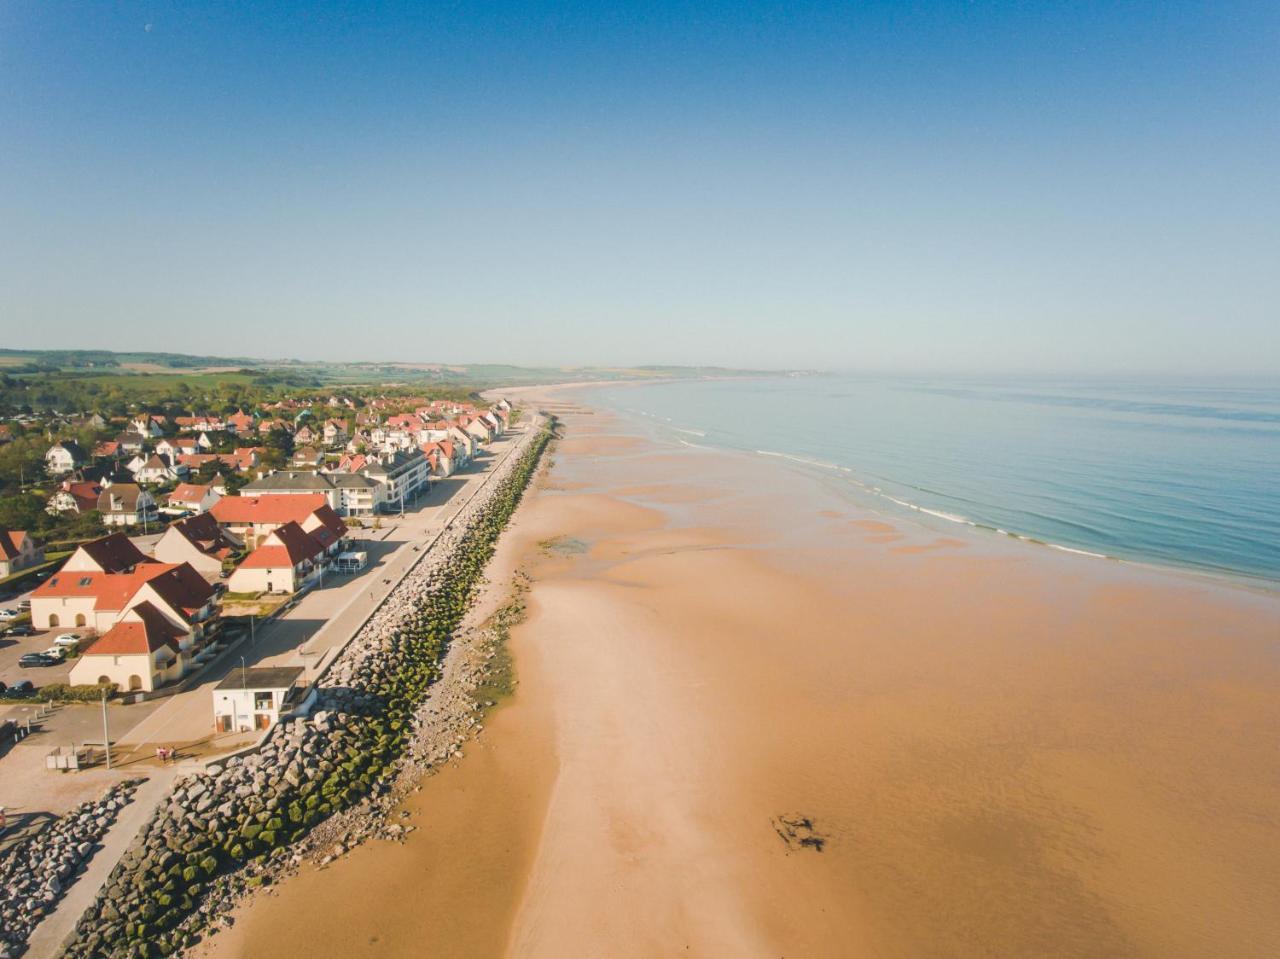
[[917, 186]]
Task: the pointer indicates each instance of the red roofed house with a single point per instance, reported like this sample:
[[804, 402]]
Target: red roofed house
[[199, 541], [192, 498], [141, 652], [97, 600], [240, 422], [73, 497], [252, 517], [440, 455], [18, 551], [282, 562]]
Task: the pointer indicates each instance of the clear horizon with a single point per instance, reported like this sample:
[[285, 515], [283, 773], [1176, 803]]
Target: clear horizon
[[959, 188]]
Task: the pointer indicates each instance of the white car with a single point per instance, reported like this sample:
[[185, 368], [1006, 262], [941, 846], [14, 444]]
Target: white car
[[58, 651], [69, 639], [9, 614]]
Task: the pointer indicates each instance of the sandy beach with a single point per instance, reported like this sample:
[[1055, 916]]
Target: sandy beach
[[1001, 750]]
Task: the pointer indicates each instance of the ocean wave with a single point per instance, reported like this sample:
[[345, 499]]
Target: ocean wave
[[1078, 552], [805, 461], [690, 432]]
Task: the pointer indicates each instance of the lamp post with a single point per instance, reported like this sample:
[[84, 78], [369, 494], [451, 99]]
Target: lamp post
[[106, 729]]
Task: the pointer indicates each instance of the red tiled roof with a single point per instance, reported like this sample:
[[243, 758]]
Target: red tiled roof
[[268, 508], [287, 545], [145, 634], [11, 543], [188, 493]]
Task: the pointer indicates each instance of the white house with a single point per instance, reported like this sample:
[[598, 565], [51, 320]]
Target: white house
[[18, 551], [159, 468], [281, 562], [199, 541], [192, 498], [148, 426], [255, 699], [64, 457], [141, 652], [126, 504]]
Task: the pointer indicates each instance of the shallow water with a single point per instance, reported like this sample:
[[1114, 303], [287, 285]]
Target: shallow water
[[1173, 473]]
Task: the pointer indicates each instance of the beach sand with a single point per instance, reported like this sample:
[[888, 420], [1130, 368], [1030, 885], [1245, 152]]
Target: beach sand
[[1006, 750]]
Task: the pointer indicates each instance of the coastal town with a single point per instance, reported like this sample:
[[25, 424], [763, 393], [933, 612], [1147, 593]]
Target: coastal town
[[192, 579]]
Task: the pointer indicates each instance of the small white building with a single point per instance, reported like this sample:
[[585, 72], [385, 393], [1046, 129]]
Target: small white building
[[256, 699], [64, 457]]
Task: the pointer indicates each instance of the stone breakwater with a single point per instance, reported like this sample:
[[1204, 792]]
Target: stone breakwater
[[35, 871], [318, 782]]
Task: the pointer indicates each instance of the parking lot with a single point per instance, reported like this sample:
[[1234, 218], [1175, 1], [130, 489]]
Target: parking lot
[[14, 647]]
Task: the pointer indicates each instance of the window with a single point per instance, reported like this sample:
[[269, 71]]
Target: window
[[262, 700]]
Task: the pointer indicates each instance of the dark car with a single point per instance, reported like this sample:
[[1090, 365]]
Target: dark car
[[22, 689], [38, 659], [23, 630]]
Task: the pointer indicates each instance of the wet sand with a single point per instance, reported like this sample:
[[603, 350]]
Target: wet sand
[[1008, 751]]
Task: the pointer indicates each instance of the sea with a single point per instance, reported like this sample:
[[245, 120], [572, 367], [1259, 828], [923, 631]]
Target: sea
[[1155, 471]]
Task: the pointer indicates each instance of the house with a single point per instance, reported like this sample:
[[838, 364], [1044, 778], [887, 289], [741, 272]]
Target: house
[[18, 551], [440, 454], [199, 541], [240, 423], [141, 652], [477, 427], [466, 443], [192, 498], [251, 517], [218, 483], [199, 424], [149, 426], [74, 497], [113, 553], [107, 449], [182, 446], [159, 469], [96, 600], [245, 459], [64, 457], [126, 504], [307, 456], [257, 697], [281, 563], [304, 436], [335, 432], [130, 442]]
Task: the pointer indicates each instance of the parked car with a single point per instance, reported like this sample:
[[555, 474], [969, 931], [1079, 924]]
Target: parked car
[[9, 613], [58, 652], [22, 689], [38, 659], [8, 730], [3, 687], [22, 629], [24, 604], [69, 639]]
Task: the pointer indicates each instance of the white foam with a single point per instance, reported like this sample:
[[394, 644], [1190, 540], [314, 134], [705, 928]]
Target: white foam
[[806, 462], [1078, 552], [690, 432]]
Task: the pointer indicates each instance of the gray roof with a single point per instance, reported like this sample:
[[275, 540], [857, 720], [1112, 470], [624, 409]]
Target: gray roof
[[351, 481], [290, 480], [261, 677]]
